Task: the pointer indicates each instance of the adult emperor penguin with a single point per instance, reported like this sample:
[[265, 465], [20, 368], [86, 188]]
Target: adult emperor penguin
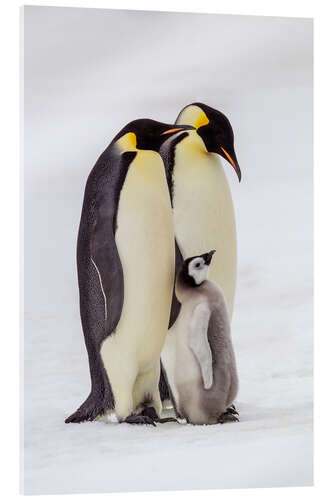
[[202, 204], [198, 355], [125, 260]]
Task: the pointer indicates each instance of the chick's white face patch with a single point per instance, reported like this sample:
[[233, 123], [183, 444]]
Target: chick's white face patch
[[198, 270]]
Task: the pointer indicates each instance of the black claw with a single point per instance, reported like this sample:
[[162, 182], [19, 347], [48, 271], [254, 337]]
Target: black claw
[[139, 419], [232, 410], [228, 417]]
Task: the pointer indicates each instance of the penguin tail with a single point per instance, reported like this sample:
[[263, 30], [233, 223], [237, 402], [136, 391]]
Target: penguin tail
[[88, 411]]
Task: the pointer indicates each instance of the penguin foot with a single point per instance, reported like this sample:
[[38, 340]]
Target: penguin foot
[[139, 419], [229, 416], [150, 412], [167, 419], [232, 410]]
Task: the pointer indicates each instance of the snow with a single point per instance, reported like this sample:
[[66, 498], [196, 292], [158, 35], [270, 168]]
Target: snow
[[79, 91]]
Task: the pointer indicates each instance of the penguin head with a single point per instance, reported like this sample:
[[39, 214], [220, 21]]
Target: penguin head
[[195, 269], [214, 129], [146, 134]]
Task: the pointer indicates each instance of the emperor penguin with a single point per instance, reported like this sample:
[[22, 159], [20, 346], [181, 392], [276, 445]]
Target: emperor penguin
[[198, 356], [125, 261], [202, 204]]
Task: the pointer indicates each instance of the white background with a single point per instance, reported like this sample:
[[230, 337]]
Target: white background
[[87, 73], [323, 321]]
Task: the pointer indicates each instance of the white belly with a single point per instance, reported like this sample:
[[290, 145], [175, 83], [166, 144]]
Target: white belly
[[204, 214], [178, 359], [145, 242]]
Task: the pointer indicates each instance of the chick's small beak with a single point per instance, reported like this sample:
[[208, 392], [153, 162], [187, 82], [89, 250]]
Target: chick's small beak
[[208, 257], [233, 163]]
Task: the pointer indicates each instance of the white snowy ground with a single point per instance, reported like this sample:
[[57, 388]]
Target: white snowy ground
[[82, 82]]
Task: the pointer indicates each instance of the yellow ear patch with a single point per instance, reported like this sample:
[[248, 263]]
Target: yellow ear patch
[[193, 115], [201, 120], [127, 142]]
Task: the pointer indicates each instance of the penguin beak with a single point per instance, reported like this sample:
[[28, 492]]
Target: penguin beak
[[178, 129], [208, 257], [233, 162]]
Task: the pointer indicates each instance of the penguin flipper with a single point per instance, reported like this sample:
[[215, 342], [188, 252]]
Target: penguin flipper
[[106, 260], [175, 305], [199, 343], [103, 248], [167, 153], [164, 388]]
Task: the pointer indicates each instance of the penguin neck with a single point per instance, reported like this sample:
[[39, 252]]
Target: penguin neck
[[193, 143], [126, 143], [185, 286]]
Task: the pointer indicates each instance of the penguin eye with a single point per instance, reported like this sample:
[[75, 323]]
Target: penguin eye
[[197, 264]]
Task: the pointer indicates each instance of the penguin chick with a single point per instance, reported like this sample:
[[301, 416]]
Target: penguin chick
[[198, 355]]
